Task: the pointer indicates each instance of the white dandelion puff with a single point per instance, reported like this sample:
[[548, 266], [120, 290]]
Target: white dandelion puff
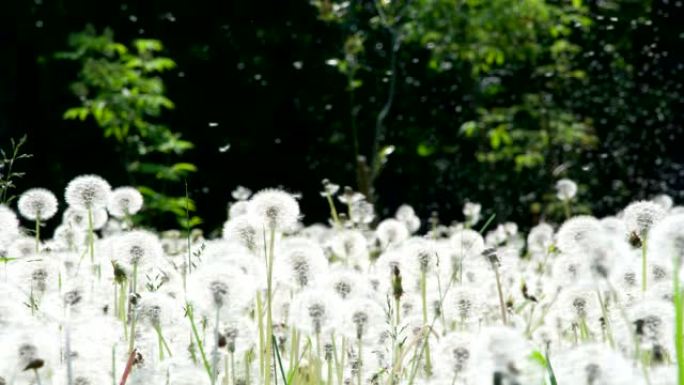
[[37, 204], [124, 202], [273, 209], [87, 192]]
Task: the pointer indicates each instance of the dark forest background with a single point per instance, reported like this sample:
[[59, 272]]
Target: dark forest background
[[489, 101]]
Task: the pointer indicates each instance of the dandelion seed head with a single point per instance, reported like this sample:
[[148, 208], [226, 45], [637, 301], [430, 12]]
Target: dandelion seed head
[[9, 226], [666, 239], [566, 189], [407, 215], [241, 231], [237, 209], [300, 263], [593, 364], [317, 311], [472, 211], [138, 247], [87, 192], [347, 283], [641, 216], [664, 201], [273, 209], [454, 358], [391, 232], [540, 238], [350, 245], [360, 318], [420, 255], [577, 232], [37, 203], [69, 237], [78, 218], [124, 201], [652, 323], [467, 242], [158, 309], [465, 304]]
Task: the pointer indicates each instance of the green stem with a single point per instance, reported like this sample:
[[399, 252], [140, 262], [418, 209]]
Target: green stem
[[198, 341], [113, 364], [359, 373], [247, 368], [679, 320], [606, 320], [38, 233], [91, 236], [280, 362], [333, 210], [502, 304], [215, 353], [187, 227], [644, 265], [269, 306], [131, 341], [423, 295], [260, 323], [566, 209], [232, 367], [162, 342]]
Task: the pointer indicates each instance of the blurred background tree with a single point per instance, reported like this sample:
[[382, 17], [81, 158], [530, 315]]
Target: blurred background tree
[[427, 102], [121, 90]]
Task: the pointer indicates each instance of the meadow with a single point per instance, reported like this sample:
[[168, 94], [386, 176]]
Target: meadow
[[358, 300]]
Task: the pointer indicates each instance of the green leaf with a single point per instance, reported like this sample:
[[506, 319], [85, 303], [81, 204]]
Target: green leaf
[[425, 150], [80, 113], [538, 357], [469, 128], [147, 45]]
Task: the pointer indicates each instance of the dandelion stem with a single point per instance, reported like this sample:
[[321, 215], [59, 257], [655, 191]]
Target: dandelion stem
[[502, 304], [67, 348], [37, 377], [191, 317], [91, 236], [359, 369], [248, 359], [260, 323], [114, 364], [129, 367], [162, 342], [269, 304], [566, 209], [423, 296], [329, 379], [232, 367], [215, 353], [679, 320], [280, 362], [131, 341], [644, 265], [333, 210], [38, 233], [606, 320], [187, 227]]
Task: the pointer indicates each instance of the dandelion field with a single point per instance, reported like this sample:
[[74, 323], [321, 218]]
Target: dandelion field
[[359, 300], [336, 192]]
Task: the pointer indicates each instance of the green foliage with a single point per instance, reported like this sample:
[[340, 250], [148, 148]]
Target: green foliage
[[527, 133], [8, 174], [490, 45], [121, 90]]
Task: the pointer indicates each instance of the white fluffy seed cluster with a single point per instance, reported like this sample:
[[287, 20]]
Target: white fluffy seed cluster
[[352, 302], [37, 204]]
